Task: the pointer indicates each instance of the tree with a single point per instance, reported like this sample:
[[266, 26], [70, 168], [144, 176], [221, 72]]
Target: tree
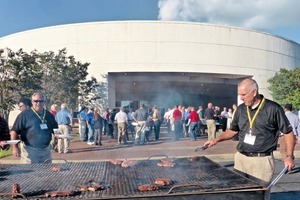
[[285, 87], [19, 76]]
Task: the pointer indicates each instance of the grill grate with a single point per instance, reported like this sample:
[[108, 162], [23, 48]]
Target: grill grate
[[36, 179]]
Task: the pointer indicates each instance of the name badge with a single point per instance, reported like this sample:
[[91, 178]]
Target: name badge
[[44, 126], [250, 139]]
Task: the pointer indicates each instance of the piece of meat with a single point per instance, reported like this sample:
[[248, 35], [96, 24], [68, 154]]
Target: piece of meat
[[166, 164], [116, 162], [94, 188], [168, 160], [65, 193], [55, 169], [163, 181], [90, 186], [194, 158], [147, 187], [128, 163], [15, 190]]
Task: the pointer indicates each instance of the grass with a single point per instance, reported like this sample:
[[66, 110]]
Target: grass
[[5, 153]]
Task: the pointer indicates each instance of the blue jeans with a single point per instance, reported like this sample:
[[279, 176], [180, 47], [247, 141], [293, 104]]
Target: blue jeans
[[178, 129], [91, 134], [156, 129], [83, 128], [194, 130]]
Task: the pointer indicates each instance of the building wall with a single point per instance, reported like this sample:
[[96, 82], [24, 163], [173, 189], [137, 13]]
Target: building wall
[[159, 46]]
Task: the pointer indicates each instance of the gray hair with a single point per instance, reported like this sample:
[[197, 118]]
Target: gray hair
[[63, 106]]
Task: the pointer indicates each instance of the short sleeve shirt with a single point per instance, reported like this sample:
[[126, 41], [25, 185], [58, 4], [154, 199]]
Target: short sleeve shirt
[[269, 122], [28, 125]]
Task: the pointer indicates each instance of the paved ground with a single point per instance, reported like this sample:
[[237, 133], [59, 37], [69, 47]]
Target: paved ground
[[288, 186]]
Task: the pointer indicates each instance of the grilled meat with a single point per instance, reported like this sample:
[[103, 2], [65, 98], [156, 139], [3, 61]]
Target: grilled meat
[[55, 169], [128, 163], [92, 187], [147, 187], [168, 160], [116, 162], [65, 193], [163, 181], [194, 158], [15, 190], [166, 164]]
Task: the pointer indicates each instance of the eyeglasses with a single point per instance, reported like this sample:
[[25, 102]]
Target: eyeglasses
[[38, 101]]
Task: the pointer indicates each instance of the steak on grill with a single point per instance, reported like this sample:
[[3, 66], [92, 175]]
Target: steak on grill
[[128, 163], [166, 164], [194, 158], [65, 193], [15, 190], [116, 162], [147, 187], [168, 160], [55, 168], [93, 188], [163, 181]]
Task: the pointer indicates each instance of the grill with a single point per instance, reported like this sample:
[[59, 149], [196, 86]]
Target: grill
[[191, 180]]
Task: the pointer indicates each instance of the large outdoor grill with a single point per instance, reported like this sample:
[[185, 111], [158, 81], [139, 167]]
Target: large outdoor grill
[[202, 179]]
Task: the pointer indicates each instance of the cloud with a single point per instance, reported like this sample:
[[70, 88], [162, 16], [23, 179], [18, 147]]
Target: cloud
[[252, 14]]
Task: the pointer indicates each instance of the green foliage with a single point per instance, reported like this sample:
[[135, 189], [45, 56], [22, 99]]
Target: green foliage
[[60, 77], [285, 87]]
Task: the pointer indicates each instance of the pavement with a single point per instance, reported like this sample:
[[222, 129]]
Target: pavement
[[287, 187]]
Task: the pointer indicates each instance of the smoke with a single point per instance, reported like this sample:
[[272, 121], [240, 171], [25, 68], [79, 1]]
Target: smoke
[[252, 14]]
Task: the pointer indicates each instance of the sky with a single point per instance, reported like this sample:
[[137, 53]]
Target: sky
[[279, 17]]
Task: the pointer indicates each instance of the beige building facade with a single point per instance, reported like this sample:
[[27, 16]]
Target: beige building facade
[[167, 63]]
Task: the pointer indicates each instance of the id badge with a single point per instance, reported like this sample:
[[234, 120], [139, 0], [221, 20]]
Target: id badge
[[44, 126], [250, 139]]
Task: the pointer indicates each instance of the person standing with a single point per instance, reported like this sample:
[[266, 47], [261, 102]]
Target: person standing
[[177, 115], [35, 126], [295, 123], [122, 121], [187, 113], [236, 136], [24, 103], [156, 122], [54, 140], [209, 115], [193, 123], [65, 122], [4, 133], [224, 118], [140, 116], [90, 125], [98, 126], [258, 121], [82, 123], [130, 120], [201, 127]]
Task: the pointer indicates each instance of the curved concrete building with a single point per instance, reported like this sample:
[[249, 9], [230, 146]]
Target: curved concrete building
[[167, 63]]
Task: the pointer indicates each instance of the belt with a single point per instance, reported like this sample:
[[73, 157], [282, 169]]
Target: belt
[[257, 154], [210, 119]]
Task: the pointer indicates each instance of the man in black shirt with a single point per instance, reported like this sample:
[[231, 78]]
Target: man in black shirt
[[209, 115], [258, 122], [35, 126]]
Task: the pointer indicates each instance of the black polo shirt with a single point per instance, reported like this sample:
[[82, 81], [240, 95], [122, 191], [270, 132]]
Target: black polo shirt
[[209, 113], [28, 125], [269, 121]]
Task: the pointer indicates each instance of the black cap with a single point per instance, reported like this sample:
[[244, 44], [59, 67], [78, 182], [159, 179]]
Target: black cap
[[288, 106]]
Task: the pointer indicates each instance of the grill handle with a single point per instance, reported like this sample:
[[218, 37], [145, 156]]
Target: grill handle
[[183, 185], [157, 156], [55, 159]]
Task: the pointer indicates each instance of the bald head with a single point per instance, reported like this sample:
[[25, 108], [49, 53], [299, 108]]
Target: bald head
[[248, 92]]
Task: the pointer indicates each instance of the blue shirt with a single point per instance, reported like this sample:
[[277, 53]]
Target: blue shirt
[[90, 118], [63, 117], [82, 115]]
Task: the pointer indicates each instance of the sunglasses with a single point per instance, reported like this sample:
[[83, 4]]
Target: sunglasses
[[38, 101]]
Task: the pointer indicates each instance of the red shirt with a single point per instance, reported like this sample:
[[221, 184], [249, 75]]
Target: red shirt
[[194, 116], [177, 115]]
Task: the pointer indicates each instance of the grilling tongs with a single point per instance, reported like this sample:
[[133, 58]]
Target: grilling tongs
[[202, 148], [278, 177]]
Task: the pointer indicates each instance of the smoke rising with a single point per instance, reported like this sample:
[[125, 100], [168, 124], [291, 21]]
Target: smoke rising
[[252, 14]]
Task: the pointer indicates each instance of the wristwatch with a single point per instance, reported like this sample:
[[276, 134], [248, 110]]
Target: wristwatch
[[290, 156]]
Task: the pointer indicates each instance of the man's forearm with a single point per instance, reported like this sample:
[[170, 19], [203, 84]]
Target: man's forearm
[[290, 143], [228, 134]]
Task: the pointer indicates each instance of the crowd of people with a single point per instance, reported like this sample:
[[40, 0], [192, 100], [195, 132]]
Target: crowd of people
[[258, 123]]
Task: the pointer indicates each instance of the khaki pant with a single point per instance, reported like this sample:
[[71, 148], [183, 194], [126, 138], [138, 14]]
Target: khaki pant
[[211, 129], [259, 169], [31, 155], [63, 145]]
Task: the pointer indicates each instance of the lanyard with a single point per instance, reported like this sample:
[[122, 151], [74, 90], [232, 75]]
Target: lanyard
[[255, 115], [39, 115]]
